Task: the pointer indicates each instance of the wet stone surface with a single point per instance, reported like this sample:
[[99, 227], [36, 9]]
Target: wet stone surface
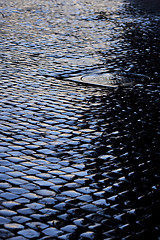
[[78, 162], [101, 179]]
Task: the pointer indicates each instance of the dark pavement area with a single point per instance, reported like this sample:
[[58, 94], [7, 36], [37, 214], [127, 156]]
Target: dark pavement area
[[149, 6]]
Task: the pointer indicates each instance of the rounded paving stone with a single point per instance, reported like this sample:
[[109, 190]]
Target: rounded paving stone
[[4, 185], [47, 201], [21, 219], [8, 196], [4, 149], [17, 181], [16, 174], [44, 183], [69, 228], [71, 193], [10, 204], [36, 225], [18, 190], [87, 235], [4, 220], [7, 213], [31, 186], [32, 196], [67, 236], [5, 234], [90, 208], [45, 193], [14, 226], [4, 177], [35, 206], [52, 232], [18, 238], [48, 211], [29, 233], [38, 217], [22, 200], [25, 211]]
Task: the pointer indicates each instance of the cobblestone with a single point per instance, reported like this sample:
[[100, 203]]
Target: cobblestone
[[4, 220], [29, 233], [7, 213], [14, 226], [11, 204], [84, 165]]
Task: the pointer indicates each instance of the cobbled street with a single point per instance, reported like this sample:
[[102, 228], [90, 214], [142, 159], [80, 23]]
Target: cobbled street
[[77, 161]]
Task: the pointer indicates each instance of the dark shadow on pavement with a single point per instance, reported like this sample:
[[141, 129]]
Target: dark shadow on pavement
[[126, 165], [138, 49], [148, 5]]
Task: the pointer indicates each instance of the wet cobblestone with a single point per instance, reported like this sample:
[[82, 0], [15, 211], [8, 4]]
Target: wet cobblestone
[[96, 177], [78, 162]]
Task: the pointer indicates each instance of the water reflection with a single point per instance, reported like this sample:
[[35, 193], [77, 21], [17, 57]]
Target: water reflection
[[56, 36], [72, 37], [76, 37], [125, 169], [137, 51]]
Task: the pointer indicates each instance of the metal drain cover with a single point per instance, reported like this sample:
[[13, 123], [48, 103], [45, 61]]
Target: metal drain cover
[[110, 79], [103, 79]]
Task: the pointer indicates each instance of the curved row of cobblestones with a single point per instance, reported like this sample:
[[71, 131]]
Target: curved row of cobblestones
[[78, 162]]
